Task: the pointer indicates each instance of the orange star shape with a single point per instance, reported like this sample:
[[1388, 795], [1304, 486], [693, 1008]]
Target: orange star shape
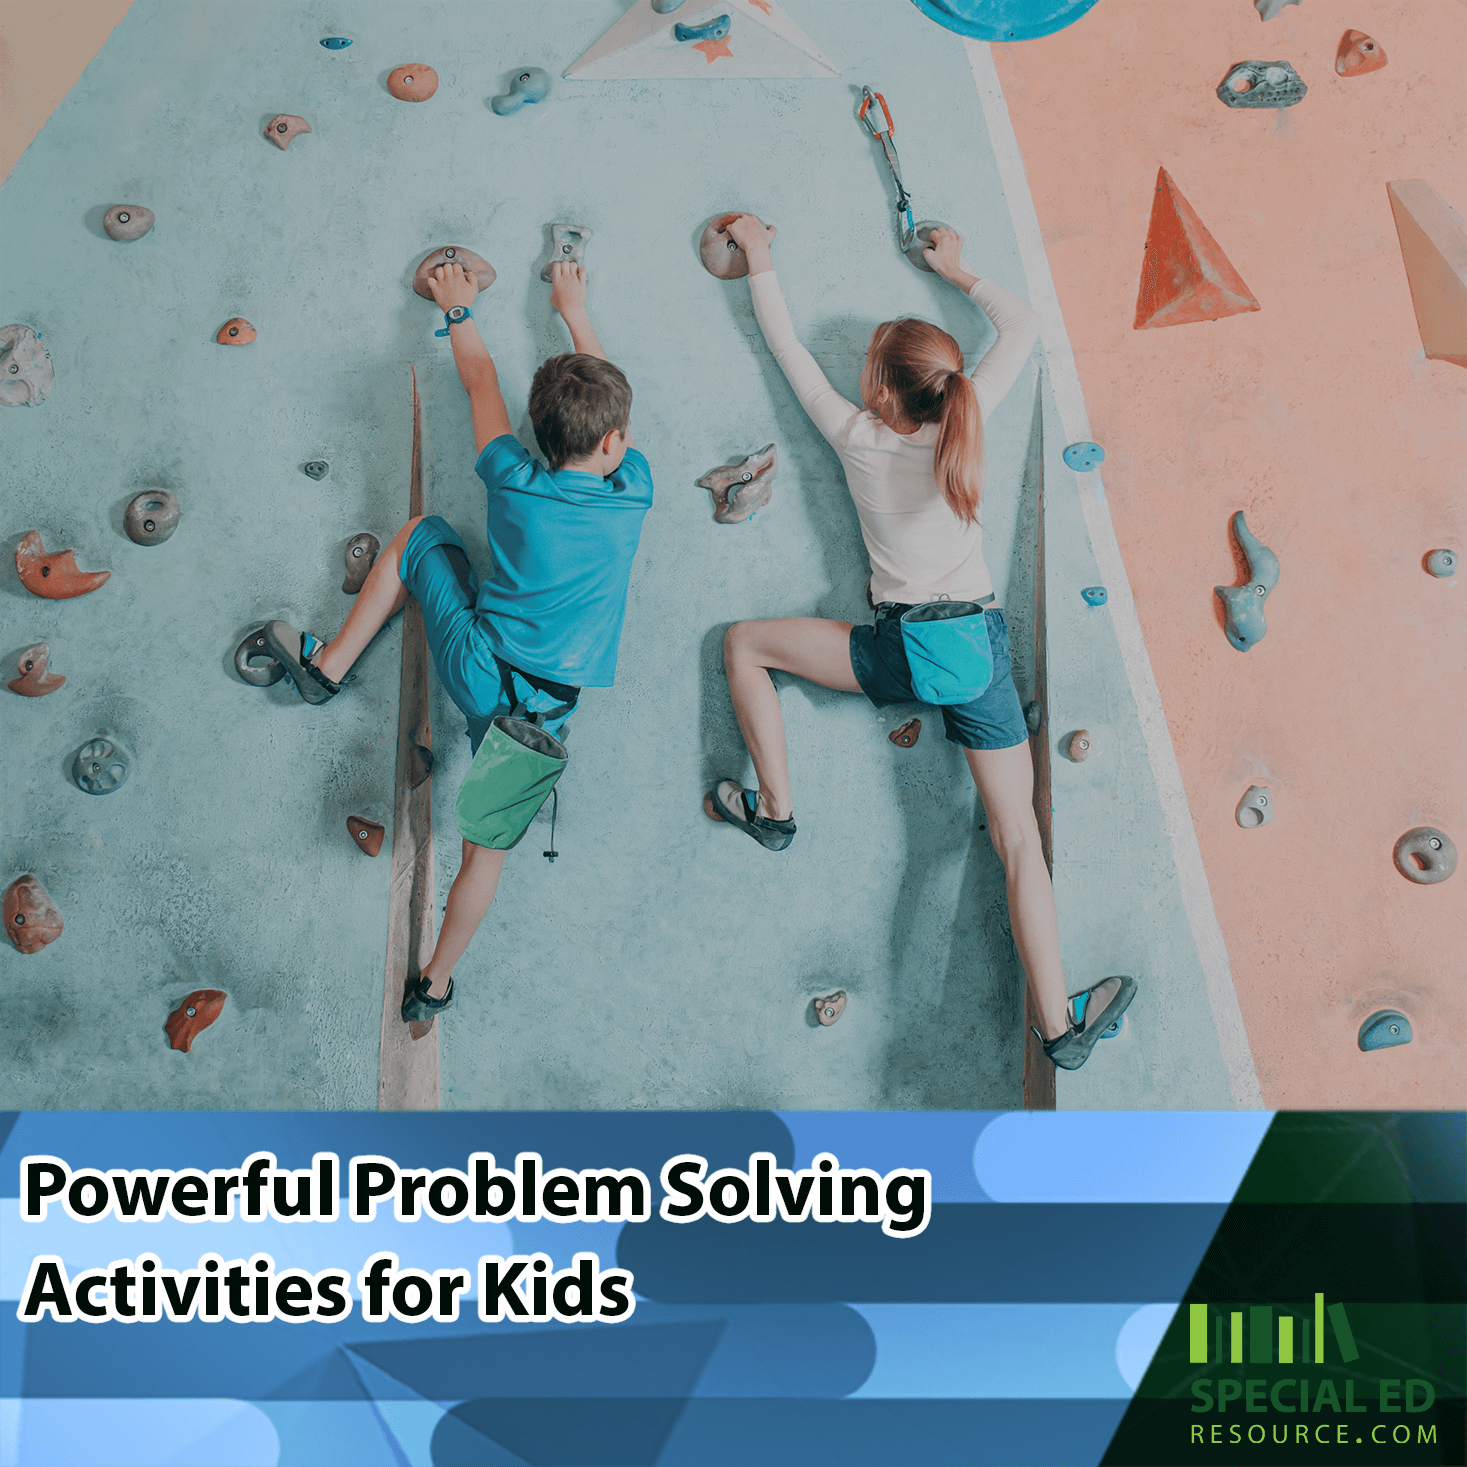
[[714, 49], [763, 5]]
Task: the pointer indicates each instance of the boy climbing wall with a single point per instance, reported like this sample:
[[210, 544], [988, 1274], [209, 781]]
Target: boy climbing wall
[[543, 624]]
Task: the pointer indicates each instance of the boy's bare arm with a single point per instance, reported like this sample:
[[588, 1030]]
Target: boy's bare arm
[[568, 296], [453, 286]]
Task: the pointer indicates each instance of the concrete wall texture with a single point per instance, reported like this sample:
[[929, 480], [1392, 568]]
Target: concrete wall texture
[[664, 961]]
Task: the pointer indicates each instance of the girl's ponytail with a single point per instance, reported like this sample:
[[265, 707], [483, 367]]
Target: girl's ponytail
[[959, 458]]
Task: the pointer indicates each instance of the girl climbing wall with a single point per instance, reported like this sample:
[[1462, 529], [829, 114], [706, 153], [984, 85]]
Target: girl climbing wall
[[913, 459]]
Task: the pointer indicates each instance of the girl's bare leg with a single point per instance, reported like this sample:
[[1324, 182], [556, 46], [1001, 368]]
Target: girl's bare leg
[[810, 647], [382, 594], [469, 898]]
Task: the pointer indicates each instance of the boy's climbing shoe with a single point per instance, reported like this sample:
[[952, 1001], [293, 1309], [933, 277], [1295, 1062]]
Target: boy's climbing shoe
[[418, 1008], [293, 651], [739, 807], [1072, 1048]]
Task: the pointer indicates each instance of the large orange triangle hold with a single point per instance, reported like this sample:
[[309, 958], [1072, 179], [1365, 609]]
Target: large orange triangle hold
[[1185, 276], [1434, 252]]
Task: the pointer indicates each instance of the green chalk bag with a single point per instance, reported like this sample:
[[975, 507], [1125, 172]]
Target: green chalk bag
[[947, 649], [511, 777]]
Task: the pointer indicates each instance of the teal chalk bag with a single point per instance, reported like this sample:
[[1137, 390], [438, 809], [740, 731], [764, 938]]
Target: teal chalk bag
[[511, 777], [947, 649]]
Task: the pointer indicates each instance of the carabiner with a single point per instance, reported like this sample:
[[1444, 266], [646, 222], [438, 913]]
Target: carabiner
[[866, 100]]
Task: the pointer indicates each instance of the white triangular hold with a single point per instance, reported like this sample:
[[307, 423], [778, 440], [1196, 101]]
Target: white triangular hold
[[762, 42]]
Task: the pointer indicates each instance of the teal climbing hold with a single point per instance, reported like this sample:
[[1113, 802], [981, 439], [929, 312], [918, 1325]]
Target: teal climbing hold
[[335, 43], [715, 30], [1244, 604], [1385, 1030], [528, 86], [1094, 595], [1082, 457], [1004, 20]]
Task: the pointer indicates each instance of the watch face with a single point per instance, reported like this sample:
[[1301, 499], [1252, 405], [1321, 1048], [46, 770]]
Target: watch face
[[458, 313]]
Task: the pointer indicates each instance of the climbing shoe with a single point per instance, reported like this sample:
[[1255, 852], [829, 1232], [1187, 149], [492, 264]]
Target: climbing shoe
[[418, 1008], [293, 651], [737, 806], [1072, 1048]]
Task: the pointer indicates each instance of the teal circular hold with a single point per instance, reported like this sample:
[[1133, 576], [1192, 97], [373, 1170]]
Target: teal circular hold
[[1082, 457], [1004, 20], [1094, 595]]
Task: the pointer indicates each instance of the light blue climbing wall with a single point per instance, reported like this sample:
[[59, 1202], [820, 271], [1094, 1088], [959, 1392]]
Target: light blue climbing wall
[[663, 960]]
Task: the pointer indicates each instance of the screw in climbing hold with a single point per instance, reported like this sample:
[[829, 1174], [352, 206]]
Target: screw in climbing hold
[[1081, 745], [283, 129], [831, 1007], [1244, 623], [195, 1012], [1082, 457], [412, 82], [1442, 563], [714, 30], [907, 735], [740, 490], [252, 647], [361, 555], [235, 332], [317, 468], [335, 43], [366, 834], [567, 246], [1261, 84], [1094, 595], [151, 517], [99, 767], [531, 84], [1255, 808], [476, 265], [31, 918], [1384, 1030], [127, 221], [1425, 855]]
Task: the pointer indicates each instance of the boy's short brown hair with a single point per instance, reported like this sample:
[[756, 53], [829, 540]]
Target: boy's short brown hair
[[575, 401]]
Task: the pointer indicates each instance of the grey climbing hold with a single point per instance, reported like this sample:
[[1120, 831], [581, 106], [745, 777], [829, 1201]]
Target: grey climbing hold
[[127, 221], [1033, 716], [567, 246], [1255, 808], [1261, 84], [1385, 1030], [1244, 604], [476, 265], [741, 490], [530, 85], [318, 468], [713, 30], [99, 767], [1425, 855], [916, 250], [26, 374], [1442, 563], [1267, 9], [245, 654], [1082, 457], [361, 552], [1094, 595], [151, 517]]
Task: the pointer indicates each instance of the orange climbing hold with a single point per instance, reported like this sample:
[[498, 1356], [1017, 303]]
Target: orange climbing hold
[[1358, 54], [1185, 276], [1434, 252]]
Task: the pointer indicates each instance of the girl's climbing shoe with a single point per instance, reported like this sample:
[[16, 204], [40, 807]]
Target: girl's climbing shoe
[[739, 807], [418, 1008], [293, 651], [1072, 1048]]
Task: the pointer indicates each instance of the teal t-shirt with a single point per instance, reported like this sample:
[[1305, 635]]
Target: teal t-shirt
[[562, 546]]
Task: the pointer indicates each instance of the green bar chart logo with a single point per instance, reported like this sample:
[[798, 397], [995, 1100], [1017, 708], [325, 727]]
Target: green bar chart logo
[[1269, 1343]]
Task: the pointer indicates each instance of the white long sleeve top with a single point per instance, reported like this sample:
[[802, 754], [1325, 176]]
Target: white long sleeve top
[[920, 550]]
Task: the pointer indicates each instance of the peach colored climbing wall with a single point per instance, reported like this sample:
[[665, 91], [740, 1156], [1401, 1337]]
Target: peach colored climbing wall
[[1320, 416], [40, 60]]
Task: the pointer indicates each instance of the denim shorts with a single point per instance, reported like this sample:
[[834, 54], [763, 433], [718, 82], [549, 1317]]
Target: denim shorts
[[993, 721]]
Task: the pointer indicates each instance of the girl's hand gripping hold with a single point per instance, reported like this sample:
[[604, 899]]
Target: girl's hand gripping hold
[[753, 237]]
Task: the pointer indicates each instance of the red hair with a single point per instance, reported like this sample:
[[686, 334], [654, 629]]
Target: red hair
[[922, 367]]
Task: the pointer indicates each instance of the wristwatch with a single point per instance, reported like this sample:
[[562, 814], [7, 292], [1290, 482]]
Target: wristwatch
[[452, 317]]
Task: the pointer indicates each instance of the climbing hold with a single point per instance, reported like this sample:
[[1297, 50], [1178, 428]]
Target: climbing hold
[[1267, 9], [1244, 604], [1081, 745], [34, 681], [193, 1015], [151, 517], [55, 577], [283, 127], [1082, 457], [1425, 855], [412, 82], [916, 251], [1442, 563], [665, 7], [740, 490], [31, 918], [476, 265], [907, 735], [99, 767], [1261, 84], [127, 221], [714, 30], [1385, 1030], [567, 245], [1434, 252], [253, 647], [1094, 595], [831, 1007], [318, 468], [361, 552], [26, 373], [1185, 276], [528, 86], [721, 256], [1358, 54], [366, 835], [336, 43], [1033, 716], [235, 332], [1255, 808]]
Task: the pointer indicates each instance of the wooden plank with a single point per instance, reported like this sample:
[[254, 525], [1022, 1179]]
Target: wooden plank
[[407, 1076]]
